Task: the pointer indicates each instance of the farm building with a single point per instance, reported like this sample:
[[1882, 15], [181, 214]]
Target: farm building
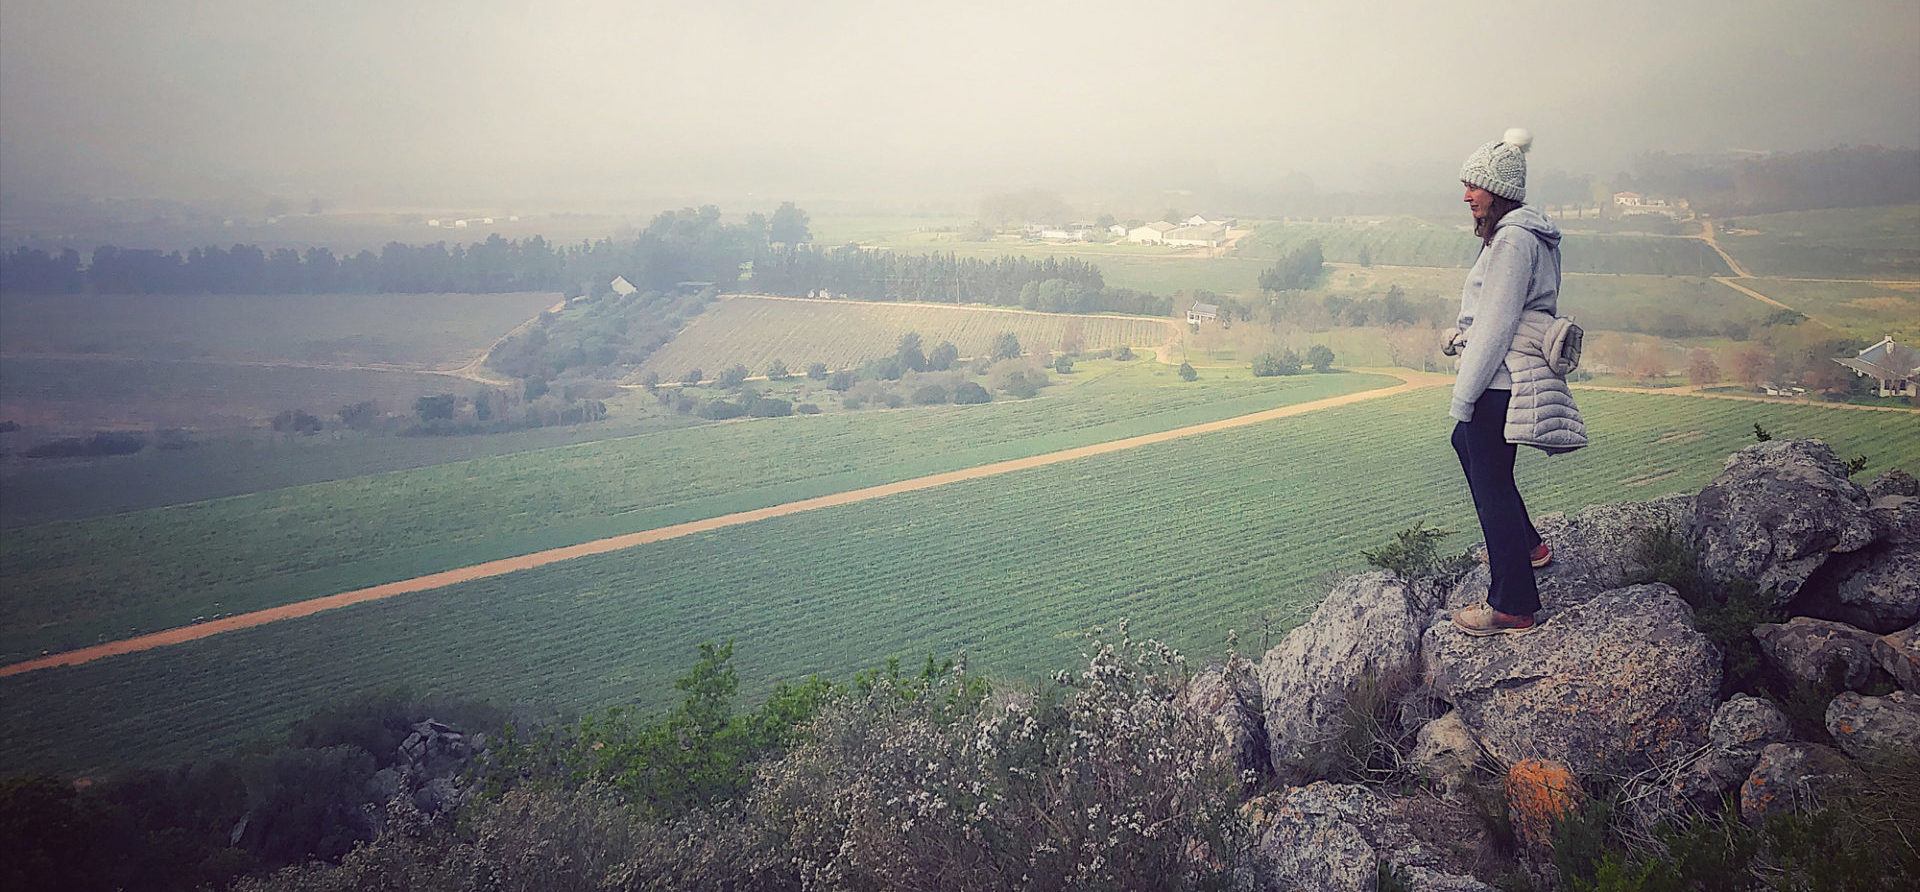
[[1150, 234], [1626, 199], [1895, 367], [621, 286], [1210, 235], [1200, 312]]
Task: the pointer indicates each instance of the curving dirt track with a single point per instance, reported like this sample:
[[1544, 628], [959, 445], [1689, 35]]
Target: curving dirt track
[[1409, 381]]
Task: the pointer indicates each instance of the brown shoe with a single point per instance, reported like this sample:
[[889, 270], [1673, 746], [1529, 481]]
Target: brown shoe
[[1483, 621], [1541, 555]]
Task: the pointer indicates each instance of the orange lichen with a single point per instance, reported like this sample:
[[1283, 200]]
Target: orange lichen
[[1540, 792]]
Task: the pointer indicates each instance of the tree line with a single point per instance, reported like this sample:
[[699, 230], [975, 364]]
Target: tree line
[[678, 249], [1050, 284], [691, 244]]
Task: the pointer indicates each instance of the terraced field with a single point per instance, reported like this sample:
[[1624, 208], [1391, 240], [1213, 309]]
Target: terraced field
[[755, 331], [70, 584], [1840, 243], [1866, 310], [1188, 539]]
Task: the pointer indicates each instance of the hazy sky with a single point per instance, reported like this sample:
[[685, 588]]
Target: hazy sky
[[480, 100]]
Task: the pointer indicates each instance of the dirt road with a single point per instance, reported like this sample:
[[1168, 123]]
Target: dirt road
[[1410, 381]]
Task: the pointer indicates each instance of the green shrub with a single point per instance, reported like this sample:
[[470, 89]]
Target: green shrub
[[1415, 552]]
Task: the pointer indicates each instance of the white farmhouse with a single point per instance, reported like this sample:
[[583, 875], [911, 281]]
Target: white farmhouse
[[1150, 234], [1894, 367], [1200, 312]]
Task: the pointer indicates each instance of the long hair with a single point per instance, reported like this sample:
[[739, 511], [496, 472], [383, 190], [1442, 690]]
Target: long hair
[[1485, 226]]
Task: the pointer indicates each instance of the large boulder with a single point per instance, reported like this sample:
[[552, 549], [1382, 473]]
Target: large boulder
[[1862, 725], [1893, 482], [1228, 697], [1899, 656], [1776, 513], [1809, 649], [1791, 777], [1610, 686], [1340, 836], [1366, 631], [1876, 588], [1603, 546]]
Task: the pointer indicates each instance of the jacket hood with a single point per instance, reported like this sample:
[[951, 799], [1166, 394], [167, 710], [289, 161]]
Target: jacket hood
[[1527, 217]]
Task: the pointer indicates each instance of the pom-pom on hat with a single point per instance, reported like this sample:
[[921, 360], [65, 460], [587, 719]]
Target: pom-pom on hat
[[1500, 166]]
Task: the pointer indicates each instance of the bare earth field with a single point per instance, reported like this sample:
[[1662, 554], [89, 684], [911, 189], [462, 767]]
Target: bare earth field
[[76, 363]]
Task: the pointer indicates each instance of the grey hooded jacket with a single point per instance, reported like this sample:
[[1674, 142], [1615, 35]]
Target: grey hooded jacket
[[1517, 273], [1516, 278]]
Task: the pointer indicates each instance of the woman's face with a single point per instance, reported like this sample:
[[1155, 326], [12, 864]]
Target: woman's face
[[1478, 200]]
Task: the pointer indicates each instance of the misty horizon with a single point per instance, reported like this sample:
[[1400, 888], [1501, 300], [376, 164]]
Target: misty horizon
[[498, 104]]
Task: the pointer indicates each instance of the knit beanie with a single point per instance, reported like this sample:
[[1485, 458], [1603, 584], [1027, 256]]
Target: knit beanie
[[1500, 167]]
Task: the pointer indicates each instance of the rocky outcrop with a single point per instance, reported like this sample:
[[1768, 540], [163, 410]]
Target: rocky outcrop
[[1601, 547], [1610, 686], [429, 769], [1616, 684], [1899, 656], [1864, 725], [1229, 698], [1339, 836], [1809, 650], [1445, 752], [1367, 629], [1742, 727], [1776, 513], [1876, 588], [1791, 777], [1893, 482]]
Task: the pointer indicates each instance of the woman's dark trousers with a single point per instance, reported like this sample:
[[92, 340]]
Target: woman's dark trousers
[[1487, 458]]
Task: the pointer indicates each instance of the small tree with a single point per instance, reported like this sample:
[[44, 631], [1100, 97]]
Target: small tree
[[930, 395], [1123, 353], [1750, 367], [1268, 365], [1320, 356], [1187, 373], [842, 380], [777, 371], [1702, 371], [692, 377], [971, 393], [817, 371], [733, 377], [439, 406], [1020, 386], [1006, 345], [1063, 365], [909, 354], [944, 355]]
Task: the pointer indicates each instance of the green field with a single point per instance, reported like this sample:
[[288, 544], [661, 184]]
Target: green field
[[1188, 539], [79, 395], [1863, 310], [1841, 243], [46, 491], [755, 331], [69, 584], [1405, 241]]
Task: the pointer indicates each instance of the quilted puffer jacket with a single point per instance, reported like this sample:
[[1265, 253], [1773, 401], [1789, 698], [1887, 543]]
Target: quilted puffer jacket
[[1541, 412]]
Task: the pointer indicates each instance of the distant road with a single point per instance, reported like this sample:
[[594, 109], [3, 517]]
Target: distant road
[[1409, 381]]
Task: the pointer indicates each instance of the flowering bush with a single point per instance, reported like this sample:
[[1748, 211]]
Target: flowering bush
[[1100, 780]]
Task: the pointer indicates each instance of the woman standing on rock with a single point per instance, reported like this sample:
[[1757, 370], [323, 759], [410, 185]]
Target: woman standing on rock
[[1506, 308]]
